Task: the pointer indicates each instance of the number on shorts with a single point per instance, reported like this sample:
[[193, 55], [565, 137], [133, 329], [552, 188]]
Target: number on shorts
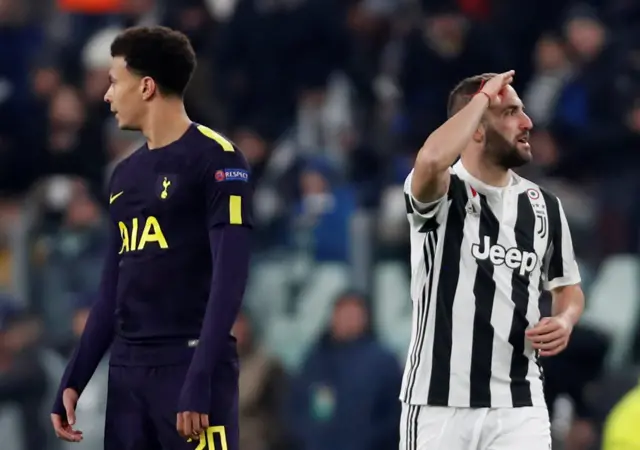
[[207, 441]]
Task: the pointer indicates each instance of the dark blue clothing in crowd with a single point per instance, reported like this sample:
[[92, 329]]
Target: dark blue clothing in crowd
[[346, 397]]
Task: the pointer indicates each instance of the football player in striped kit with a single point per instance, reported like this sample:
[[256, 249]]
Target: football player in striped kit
[[485, 243]]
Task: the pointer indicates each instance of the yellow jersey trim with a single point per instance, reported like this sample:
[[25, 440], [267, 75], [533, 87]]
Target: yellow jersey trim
[[235, 210], [224, 143]]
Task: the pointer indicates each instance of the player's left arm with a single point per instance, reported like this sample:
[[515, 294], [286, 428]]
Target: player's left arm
[[563, 276], [551, 335], [228, 204]]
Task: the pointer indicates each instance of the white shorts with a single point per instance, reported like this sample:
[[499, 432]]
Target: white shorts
[[448, 428]]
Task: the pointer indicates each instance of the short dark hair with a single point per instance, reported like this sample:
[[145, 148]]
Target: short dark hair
[[161, 53], [465, 90]]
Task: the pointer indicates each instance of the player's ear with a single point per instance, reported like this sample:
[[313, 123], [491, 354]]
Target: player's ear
[[478, 135], [148, 88]]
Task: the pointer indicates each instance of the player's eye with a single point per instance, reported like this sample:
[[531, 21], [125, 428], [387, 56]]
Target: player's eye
[[511, 111]]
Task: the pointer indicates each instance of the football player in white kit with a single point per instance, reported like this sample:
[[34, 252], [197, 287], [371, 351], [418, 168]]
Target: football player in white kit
[[485, 242]]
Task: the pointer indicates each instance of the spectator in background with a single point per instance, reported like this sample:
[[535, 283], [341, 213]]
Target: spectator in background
[[618, 220], [445, 40], [23, 380], [591, 131], [72, 258], [632, 137], [240, 54], [275, 182], [392, 236], [192, 18], [73, 144], [254, 142], [589, 109], [346, 395], [19, 39], [261, 384], [363, 166], [96, 60], [322, 217], [119, 145], [552, 71]]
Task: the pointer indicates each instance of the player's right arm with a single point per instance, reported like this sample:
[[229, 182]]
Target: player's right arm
[[430, 178], [94, 343]]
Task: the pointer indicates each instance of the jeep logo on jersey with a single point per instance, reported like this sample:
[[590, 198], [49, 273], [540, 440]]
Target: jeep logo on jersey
[[514, 258]]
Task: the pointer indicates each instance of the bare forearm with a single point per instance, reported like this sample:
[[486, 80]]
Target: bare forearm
[[445, 144], [568, 302], [430, 173]]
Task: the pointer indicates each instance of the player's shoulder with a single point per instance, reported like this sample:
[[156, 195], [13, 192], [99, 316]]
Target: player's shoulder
[[214, 146], [209, 139]]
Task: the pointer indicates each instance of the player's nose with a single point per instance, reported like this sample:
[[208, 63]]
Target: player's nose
[[526, 123]]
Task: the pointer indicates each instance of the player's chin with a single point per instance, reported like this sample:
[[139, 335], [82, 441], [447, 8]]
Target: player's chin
[[126, 126], [524, 150], [523, 145]]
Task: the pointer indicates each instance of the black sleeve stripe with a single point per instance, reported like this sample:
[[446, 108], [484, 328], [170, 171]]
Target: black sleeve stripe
[[411, 209], [458, 193], [556, 264], [457, 189], [408, 203]]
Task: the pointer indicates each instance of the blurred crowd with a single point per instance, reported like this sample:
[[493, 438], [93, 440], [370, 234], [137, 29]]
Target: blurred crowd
[[329, 100]]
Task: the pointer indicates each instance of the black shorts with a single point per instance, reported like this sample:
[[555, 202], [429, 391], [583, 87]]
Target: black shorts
[[142, 408]]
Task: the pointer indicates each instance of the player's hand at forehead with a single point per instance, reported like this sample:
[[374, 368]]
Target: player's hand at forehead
[[494, 87]]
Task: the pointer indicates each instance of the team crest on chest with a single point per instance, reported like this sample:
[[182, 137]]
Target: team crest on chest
[[471, 208], [166, 185], [540, 212]]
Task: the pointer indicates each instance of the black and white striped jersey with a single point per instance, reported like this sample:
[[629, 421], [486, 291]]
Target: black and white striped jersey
[[480, 257]]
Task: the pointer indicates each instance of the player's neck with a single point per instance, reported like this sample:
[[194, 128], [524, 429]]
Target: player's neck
[[165, 123], [488, 173]]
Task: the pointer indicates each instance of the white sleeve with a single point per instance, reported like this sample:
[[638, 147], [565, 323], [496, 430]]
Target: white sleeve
[[417, 208], [562, 268]]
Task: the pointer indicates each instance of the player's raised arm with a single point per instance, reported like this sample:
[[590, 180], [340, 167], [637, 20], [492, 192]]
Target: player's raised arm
[[430, 178], [228, 196], [94, 343]]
